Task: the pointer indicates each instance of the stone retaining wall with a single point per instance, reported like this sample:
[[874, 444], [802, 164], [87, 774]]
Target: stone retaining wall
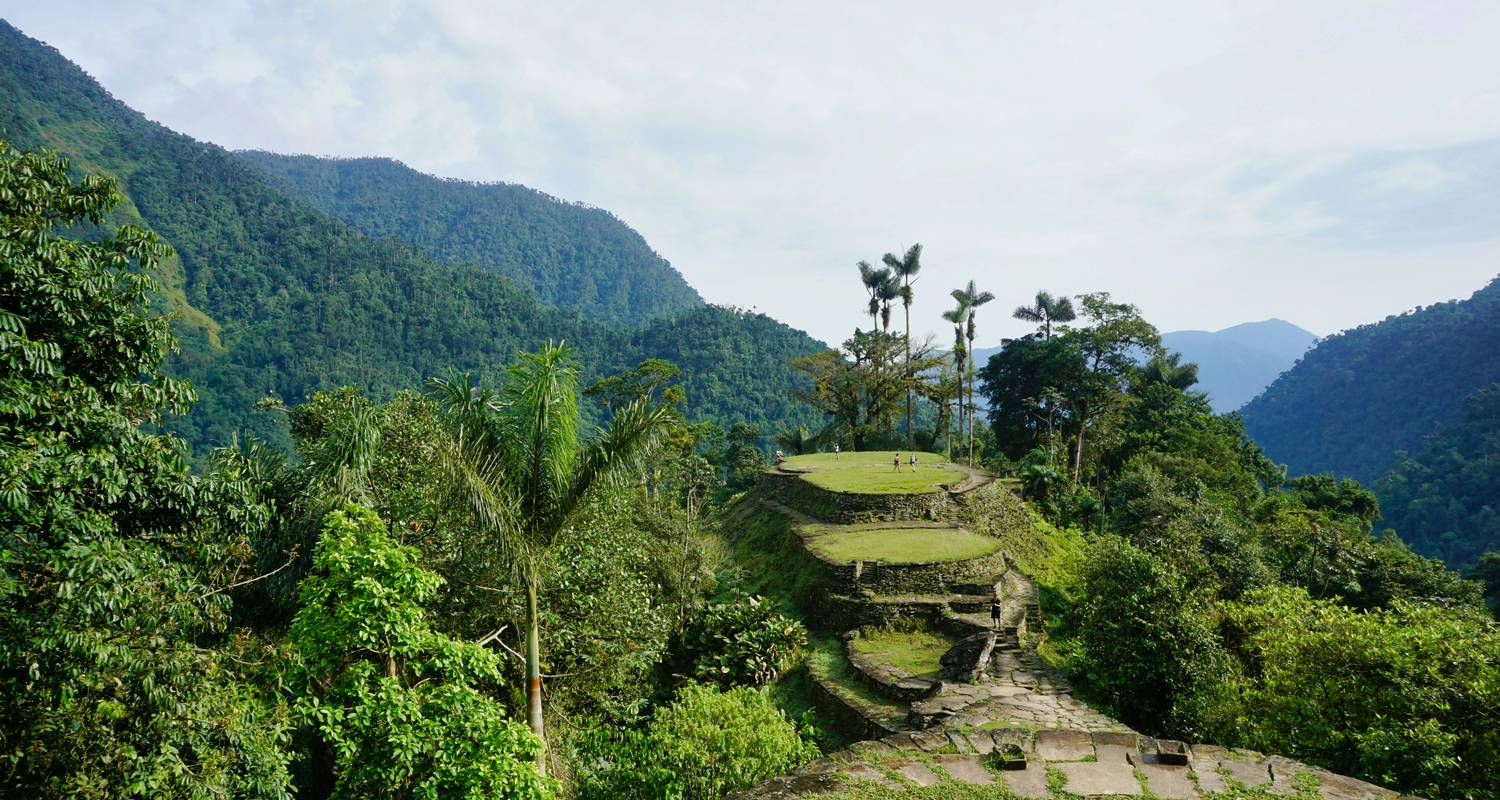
[[849, 509]]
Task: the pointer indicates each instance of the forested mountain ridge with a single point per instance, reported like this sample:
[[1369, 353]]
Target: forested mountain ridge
[[275, 297], [570, 255], [1360, 396]]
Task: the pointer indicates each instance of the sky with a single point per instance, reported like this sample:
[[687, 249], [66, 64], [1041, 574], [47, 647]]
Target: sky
[[1326, 163]]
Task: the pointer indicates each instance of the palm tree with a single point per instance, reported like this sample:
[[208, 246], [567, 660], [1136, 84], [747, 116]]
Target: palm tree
[[959, 317], [1168, 369], [873, 279], [888, 291], [516, 459], [1047, 311], [906, 268], [971, 297]]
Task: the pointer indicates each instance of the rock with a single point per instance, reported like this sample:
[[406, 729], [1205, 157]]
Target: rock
[[1092, 778], [916, 772], [969, 658], [1116, 747], [966, 769], [1029, 783], [1064, 745]]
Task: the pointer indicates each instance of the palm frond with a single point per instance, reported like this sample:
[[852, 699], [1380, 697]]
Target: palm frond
[[618, 452]]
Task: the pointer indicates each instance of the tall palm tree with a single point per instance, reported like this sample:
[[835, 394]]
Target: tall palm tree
[[873, 279], [906, 268], [959, 317], [888, 292], [516, 459], [1046, 311], [971, 297]]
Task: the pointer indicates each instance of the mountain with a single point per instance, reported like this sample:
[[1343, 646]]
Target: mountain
[[1360, 396], [1236, 363], [569, 255], [274, 296]]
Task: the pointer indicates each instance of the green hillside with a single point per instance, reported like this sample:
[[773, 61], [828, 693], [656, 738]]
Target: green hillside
[[1362, 395], [276, 297], [570, 255]]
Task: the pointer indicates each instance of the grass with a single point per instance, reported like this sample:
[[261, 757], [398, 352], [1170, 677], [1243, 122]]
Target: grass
[[826, 660], [872, 473], [903, 545], [914, 652]]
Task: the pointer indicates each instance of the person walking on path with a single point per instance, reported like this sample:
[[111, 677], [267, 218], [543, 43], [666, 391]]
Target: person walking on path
[[896, 463], [995, 610]]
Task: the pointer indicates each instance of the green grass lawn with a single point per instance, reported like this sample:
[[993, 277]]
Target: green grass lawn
[[871, 472], [914, 652], [903, 545]]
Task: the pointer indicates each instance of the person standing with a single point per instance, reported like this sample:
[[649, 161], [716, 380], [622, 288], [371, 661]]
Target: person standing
[[913, 462], [835, 451], [995, 610], [896, 463]]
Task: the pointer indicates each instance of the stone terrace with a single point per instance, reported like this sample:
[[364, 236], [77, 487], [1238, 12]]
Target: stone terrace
[[995, 703]]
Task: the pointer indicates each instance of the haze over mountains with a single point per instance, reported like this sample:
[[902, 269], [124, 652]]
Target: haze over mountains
[[1236, 363]]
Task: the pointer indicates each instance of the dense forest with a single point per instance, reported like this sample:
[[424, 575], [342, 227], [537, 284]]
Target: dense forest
[[1400, 404], [1361, 395], [276, 298], [570, 256]]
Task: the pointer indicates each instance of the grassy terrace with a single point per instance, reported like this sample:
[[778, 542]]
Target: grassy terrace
[[914, 652], [872, 473], [902, 545]]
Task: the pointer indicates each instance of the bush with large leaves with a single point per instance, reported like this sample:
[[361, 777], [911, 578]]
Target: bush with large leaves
[[397, 707], [114, 675]]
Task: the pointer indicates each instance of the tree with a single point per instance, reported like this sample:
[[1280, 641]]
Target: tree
[[1046, 311], [399, 708], [873, 279], [517, 460], [745, 457], [115, 561], [906, 268], [971, 298], [959, 317], [1170, 370]]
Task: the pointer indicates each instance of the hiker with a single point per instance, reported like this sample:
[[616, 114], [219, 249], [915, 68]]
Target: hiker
[[913, 462], [995, 610], [896, 463], [835, 451], [780, 457]]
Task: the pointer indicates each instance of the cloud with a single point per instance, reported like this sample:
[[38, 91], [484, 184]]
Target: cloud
[[1213, 164]]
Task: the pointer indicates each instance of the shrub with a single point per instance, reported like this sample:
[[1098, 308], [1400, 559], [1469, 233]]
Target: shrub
[[745, 641], [705, 744]]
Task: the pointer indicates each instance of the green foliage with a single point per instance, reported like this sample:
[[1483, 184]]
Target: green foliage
[[1407, 696], [569, 255], [118, 679], [398, 708], [1445, 499], [744, 455], [744, 640], [703, 745], [1361, 396], [1152, 650]]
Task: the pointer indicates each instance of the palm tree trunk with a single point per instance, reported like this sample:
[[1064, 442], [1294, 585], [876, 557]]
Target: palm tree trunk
[[534, 674], [910, 443], [1078, 451], [971, 401]]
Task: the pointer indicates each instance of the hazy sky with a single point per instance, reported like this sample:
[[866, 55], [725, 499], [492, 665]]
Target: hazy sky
[[1327, 163]]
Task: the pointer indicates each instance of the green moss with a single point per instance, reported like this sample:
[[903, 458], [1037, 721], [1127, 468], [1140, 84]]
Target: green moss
[[914, 652], [903, 545]]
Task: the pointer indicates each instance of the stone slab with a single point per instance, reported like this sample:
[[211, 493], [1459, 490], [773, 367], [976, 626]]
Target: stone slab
[[962, 743], [1169, 782], [867, 772], [916, 772], [1343, 787], [1064, 745], [1092, 778], [966, 769], [931, 740], [1029, 783], [1252, 772], [1116, 748]]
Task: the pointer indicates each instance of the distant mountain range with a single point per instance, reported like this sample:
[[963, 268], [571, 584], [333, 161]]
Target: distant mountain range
[[1234, 364]]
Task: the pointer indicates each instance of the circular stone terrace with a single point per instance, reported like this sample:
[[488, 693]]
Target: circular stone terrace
[[878, 472]]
